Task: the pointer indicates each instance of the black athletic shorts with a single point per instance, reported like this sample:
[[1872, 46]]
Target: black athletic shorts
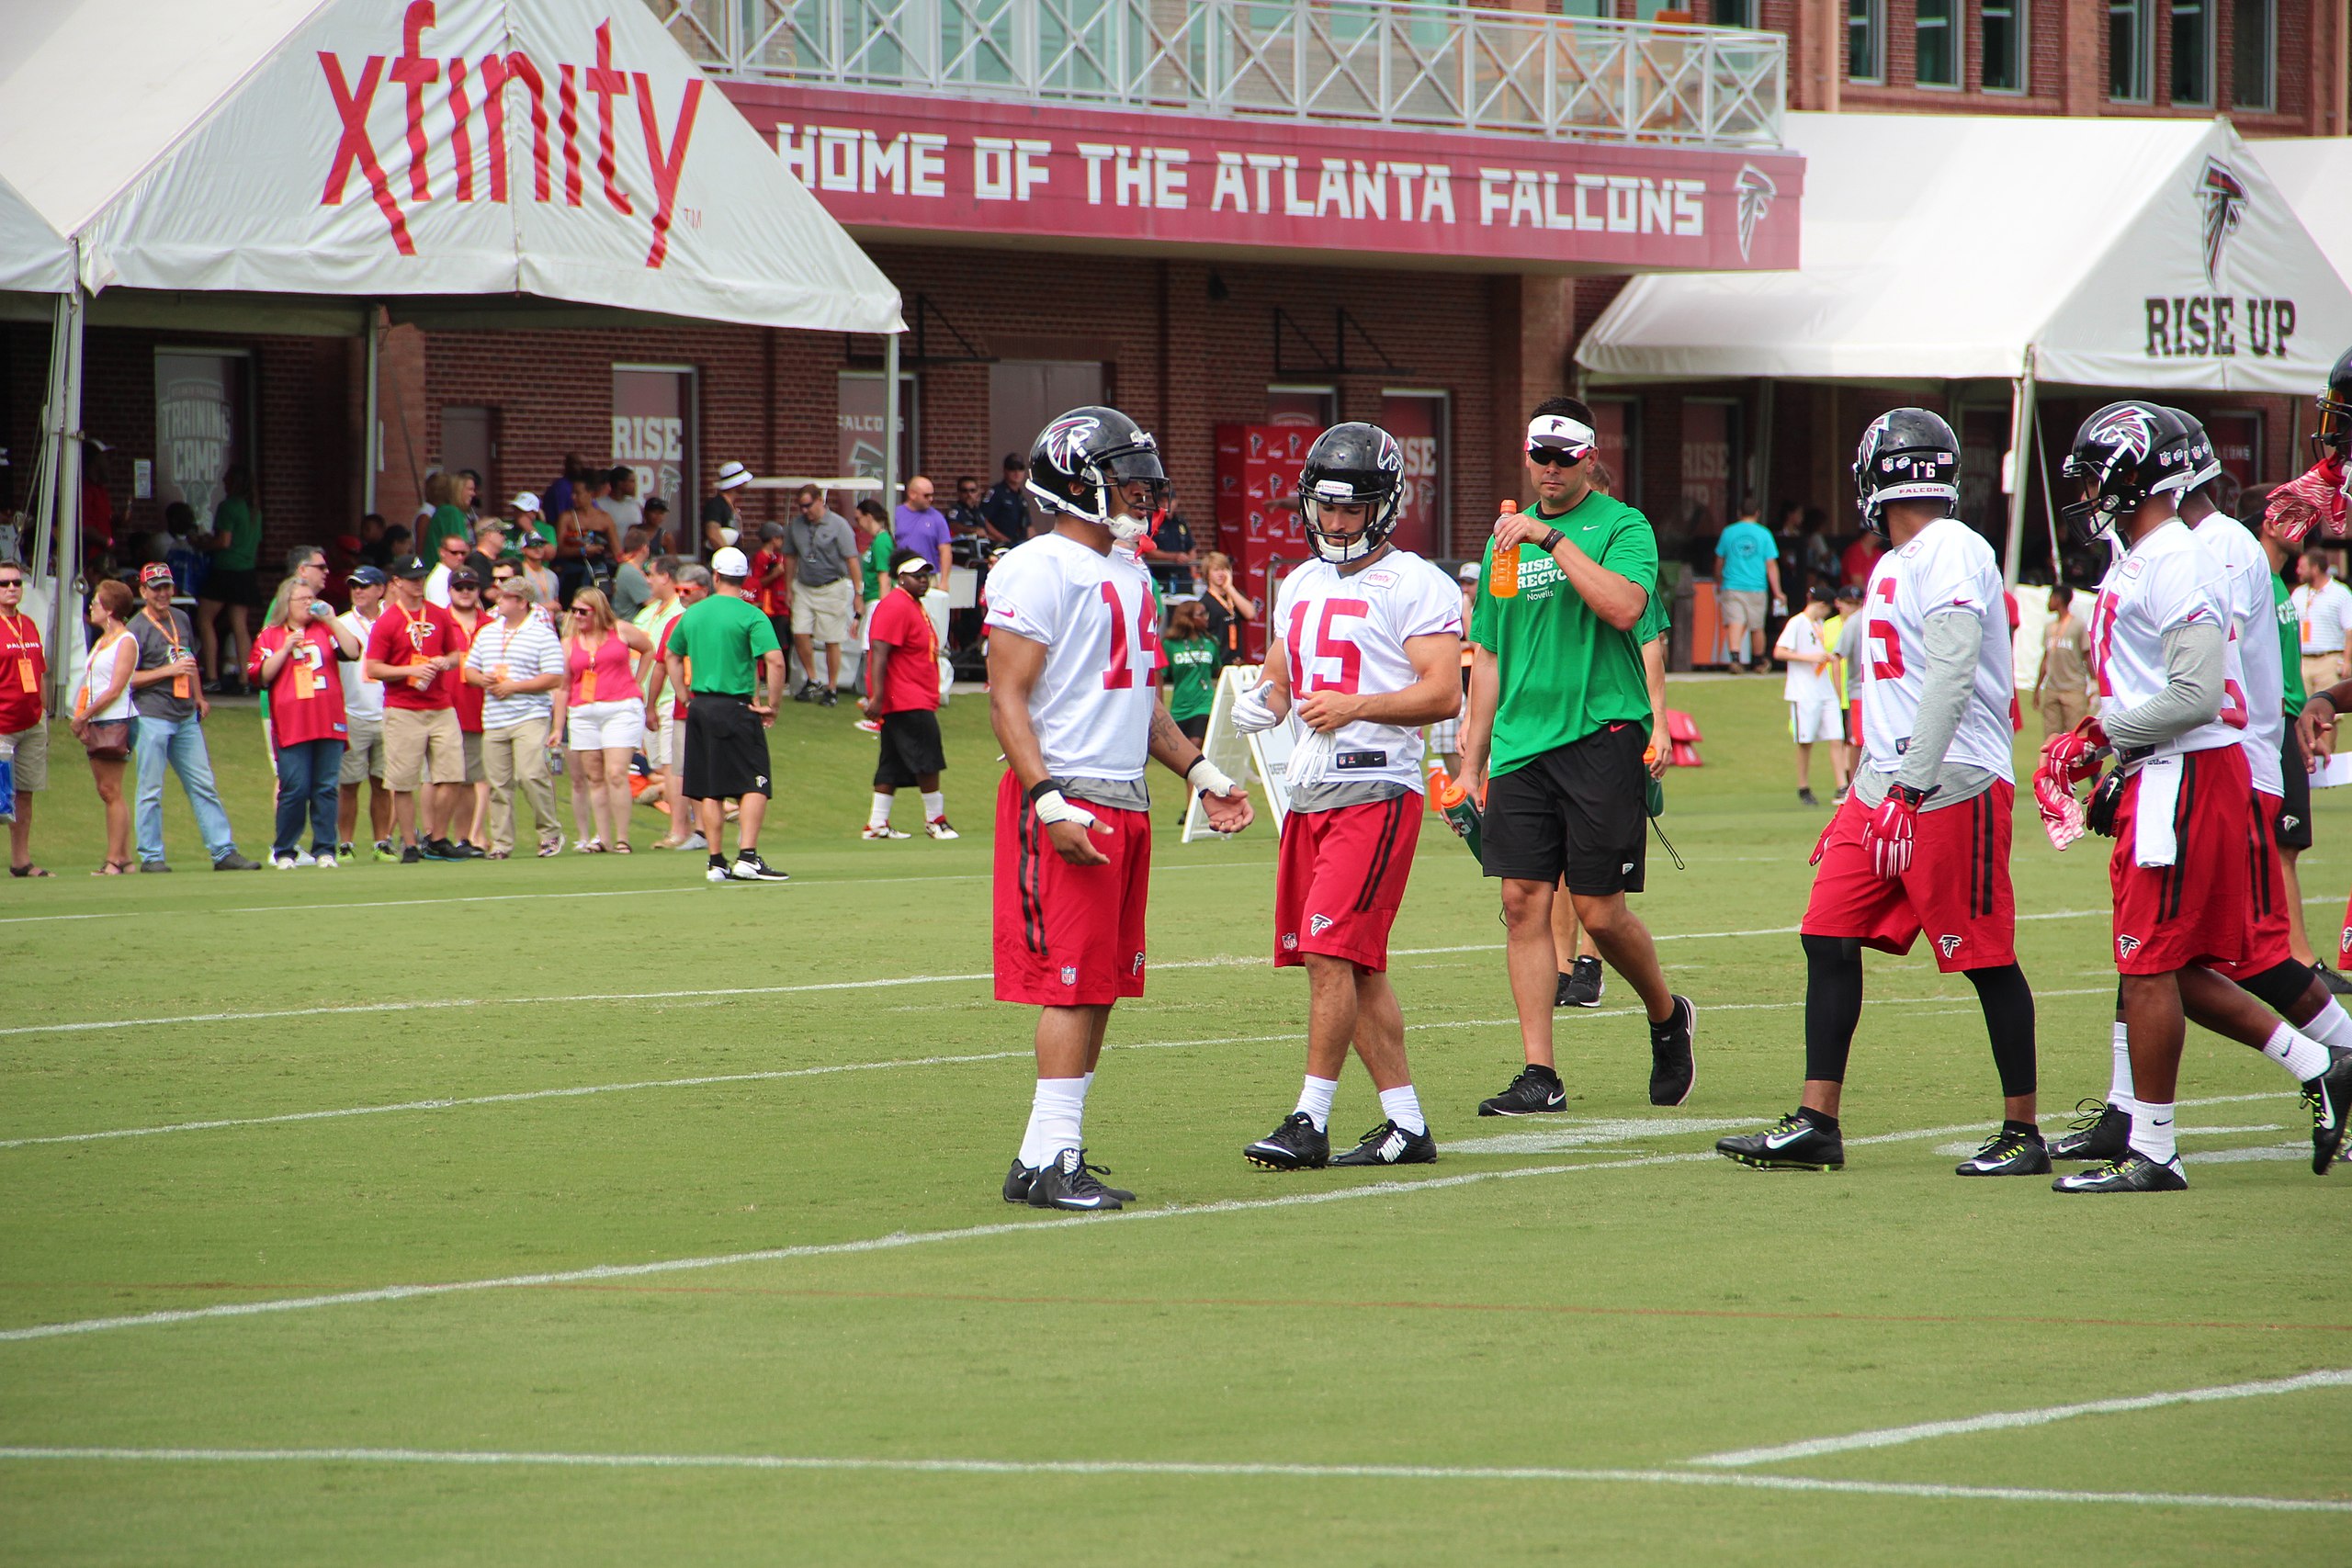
[[1196, 729], [910, 748], [1575, 811], [2295, 804], [727, 749], [223, 586]]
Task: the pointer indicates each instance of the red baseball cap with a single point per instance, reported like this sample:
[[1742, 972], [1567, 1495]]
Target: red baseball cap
[[154, 573]]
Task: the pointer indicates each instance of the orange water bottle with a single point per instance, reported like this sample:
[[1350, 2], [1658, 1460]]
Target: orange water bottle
[[1502, 574]]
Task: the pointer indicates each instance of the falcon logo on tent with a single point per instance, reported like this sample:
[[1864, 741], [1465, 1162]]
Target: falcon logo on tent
[[2223, 196], [1755, 190]]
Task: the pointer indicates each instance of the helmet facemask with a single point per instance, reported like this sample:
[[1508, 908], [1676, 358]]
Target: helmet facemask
[[1381, 505]]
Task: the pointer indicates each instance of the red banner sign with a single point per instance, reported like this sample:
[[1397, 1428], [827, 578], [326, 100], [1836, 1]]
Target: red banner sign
[[960, 166]]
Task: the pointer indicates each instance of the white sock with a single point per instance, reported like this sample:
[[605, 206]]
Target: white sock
[[1084, 1084], [2151, 1131], [934, 804], [1403, 1107], [1315, 1099], [1056, 1118], [880, 816], [2119, 1084], [2304, 1057], [2331, 1026]]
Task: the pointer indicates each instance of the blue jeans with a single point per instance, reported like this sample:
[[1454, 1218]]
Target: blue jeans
[[179, 743], [307, 775]]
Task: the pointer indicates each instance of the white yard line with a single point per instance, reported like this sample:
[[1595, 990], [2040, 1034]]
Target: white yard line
[[1893, 1436], [1187, 1469]]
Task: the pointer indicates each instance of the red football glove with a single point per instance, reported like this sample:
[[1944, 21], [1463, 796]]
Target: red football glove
[[1887, 834], [2071, 757], [2316, 498], [2061, 814]]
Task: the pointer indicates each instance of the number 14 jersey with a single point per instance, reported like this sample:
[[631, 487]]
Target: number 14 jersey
[[1946, 568], [1347, 633], [1095, 614]]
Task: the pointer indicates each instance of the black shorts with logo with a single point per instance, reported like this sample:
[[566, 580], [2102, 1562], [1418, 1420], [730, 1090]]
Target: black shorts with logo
[[727, 749], [2295, 803], [910, 748], [1575, 811]]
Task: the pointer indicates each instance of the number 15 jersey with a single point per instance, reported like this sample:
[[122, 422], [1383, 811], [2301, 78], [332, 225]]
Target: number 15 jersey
[[1091, 707], [1347, 633], [1946, 568]]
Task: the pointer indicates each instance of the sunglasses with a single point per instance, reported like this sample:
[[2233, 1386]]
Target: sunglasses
[[582, 610], [11, 583], [1553, 456]]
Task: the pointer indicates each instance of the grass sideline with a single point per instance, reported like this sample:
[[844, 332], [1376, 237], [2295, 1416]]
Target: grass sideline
[[1518, 1368]]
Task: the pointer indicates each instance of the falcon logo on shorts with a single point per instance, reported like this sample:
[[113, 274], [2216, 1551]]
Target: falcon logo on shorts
[[1135, 964], [1949, 944], [1318, 924], [1069, 973], [2288, 820], [2125, 946]]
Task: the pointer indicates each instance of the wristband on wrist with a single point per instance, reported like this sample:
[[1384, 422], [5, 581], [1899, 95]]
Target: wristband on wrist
[[1552, 540], [1044, 786]]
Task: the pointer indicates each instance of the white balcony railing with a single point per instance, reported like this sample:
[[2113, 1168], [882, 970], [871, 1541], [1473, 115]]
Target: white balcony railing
[[1360, 61]]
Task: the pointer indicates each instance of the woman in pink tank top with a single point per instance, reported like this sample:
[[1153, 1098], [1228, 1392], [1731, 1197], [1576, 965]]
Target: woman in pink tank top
[[602, 714]]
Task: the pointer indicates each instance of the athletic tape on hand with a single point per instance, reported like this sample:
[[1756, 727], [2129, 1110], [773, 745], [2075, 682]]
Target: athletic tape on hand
[[1052, 807], [1205, 777]]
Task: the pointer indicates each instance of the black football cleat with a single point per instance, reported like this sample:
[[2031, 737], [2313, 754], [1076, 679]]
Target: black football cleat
[[2135, 1172], [1535, 1090], [2337, 983], [2102, 1133], [2008, 1152], [1672, 1070], [2328, 1096], [1790, 1144], [1020, 1178], [1067, 1181], [1390, 1145], [1581, 985], [1296, 1144]]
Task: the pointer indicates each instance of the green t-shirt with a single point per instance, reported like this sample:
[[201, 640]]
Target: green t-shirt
[[2291, 646], [1192, 676], [448, 522], [1565, 671], [238, 522], [723, 638], [1655, 622], [877, 562]]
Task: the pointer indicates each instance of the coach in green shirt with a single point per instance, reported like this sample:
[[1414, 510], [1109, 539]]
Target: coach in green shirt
[[719, 649], [1558, 719]]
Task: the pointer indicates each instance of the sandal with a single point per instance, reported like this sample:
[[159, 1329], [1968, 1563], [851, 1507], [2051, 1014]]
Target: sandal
[[622, 850], [111, 868], [27, 871]]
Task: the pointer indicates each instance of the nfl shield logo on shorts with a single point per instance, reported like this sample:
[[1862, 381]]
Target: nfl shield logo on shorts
[[1069, 973], [1290, 941]]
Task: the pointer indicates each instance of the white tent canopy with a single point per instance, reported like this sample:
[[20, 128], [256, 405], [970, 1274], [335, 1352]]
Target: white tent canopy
[[2315, 173], [2139, 253], [34, 258]]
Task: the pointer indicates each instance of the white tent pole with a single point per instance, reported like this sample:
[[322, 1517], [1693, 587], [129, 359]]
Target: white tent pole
[[66, 621], [2020, 433], [891, 475], [371, 438], [52, 437]]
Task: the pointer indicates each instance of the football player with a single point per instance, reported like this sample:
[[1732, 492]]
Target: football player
[[1072, 649], [2292, 990], [2180, 800], [1366, 647], [1922, 842]]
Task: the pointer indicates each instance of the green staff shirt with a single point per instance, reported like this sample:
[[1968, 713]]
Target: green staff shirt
[[2291, 646], [239, 524], [1564, 671], [1192, 676], [876, 563], [722, 640]]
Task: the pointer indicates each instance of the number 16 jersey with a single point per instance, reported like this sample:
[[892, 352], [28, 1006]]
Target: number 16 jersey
[[1946, 568], [1091, 707]]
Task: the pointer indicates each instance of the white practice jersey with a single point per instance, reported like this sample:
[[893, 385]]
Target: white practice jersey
[[2254, 646], [1095, 614], [1347, 633], [1946, 569], [2165, 581]]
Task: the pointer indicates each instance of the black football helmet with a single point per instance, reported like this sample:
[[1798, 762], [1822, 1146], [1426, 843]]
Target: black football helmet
[[1083, 461], [2123, 455], [2204, 464], [2333, 436], [1906, 454], [1351, 465]]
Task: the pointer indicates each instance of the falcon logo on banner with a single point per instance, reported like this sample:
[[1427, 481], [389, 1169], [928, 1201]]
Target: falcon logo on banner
[[2223, 197], [1755, 190]]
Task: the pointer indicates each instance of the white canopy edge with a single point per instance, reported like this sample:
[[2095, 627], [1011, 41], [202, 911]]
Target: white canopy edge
[[353, 148], [2315, 173], [1941, 247], [34, 258]]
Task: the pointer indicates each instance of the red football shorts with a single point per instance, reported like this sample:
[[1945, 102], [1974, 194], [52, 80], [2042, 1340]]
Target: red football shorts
[[2194, 910], [2266, 939], [1957, 889], [1068, 935], [1339, 878]]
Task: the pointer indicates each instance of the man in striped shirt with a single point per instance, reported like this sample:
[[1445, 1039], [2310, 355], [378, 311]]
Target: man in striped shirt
[[518, 662]]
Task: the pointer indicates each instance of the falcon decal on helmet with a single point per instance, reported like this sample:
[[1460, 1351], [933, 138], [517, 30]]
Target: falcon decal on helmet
[[1096, 464], [1351, 465]]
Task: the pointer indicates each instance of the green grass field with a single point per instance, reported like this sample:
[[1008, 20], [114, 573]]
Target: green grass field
[[704, 1181]]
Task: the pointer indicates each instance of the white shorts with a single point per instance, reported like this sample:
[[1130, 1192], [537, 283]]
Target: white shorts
[[606, 727], [662, 744], [1817, 718]]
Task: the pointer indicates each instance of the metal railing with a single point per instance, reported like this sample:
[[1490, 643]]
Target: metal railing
[[1389, 63]]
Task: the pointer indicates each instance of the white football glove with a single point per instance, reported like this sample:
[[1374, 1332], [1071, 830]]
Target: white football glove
[[1253, 713]]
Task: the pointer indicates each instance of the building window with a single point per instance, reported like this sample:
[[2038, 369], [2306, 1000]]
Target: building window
[[2192, 51], [1937, 48], [2251, 54], [1732, 12], [2129, 39], [1865, 42], [2002, 23]]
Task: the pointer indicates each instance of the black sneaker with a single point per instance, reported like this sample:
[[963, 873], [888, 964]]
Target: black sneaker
[[828, 698], [1067, 1181], [1535, 1090], [438, 849], [1582, 984], [2135, 1172], [1296, 1144], [1020, 1178], [471, 852], [2008, 1152], [2102, 1133], [1673, 1071], [1805, 797], [2328, 1096], [1390, 1145], [410, 854], [2338, 984], [750, 867], [1790, 1144], [232, 860], [807, 693]]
